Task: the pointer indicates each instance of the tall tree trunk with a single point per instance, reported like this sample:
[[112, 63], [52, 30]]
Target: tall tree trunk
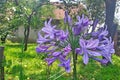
[[26, 36], [26, 33], [110, 11], [1, 63]]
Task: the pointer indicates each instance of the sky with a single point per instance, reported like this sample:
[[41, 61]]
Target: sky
[[53, 0], [118, 15]]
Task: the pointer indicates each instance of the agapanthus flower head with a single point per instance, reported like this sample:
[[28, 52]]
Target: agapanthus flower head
[[63, 45]]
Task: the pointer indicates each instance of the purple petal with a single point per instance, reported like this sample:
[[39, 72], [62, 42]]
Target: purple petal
[[94, 53], [82, 42], [92, 43], [66, 65], [112, 50], [102, 61], [41, 39], [49, 30], [67, 18], [107, 56], [61, 58], [63, 35], [49, 22], [41, 48], [95, 24], [76, 30], [85, 58], [56, 54], [103, 33], [79, 51], [38, 50], [67, 50], [50, 60]]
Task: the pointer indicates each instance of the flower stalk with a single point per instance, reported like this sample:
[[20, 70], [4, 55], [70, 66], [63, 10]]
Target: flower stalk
[[74, 66]]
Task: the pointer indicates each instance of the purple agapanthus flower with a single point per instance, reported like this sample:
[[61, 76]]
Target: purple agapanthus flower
[[95, 24], [87, 48], [50, 60], [102, 61], [42, 39], [100, 34], [49, 29], [79, 51], [103, 34], [56, 54], [67, 50], [67, 18], [66, 65], [41, 48], [63, 35], [107, 49], [81, 25]]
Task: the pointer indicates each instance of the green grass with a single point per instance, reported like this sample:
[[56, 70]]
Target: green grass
[[31, 66]]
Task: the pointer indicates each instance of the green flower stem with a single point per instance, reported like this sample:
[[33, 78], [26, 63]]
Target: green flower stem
[[74, 66]]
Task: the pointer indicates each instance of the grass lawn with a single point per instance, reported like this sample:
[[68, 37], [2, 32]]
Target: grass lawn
[[31, 66]]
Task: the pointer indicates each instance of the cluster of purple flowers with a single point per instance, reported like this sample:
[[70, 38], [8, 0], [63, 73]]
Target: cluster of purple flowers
[[58, 44]]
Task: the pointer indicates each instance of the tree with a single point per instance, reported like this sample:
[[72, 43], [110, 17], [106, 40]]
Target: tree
[[96, 9], [9, 21], [110, 11], [103, 10], [30, 13], [25, 13]]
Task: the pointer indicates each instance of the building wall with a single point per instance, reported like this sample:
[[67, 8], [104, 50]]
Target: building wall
[[19, 35]]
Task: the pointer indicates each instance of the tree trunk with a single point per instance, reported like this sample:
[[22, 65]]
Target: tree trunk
[[1, 63], [110, 11], [26, 36], [26, 33]]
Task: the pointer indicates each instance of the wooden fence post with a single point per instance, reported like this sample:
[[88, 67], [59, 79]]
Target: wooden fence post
[[1, 63]]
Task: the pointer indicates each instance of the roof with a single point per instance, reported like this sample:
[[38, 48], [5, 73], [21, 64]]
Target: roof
[[60, 9]]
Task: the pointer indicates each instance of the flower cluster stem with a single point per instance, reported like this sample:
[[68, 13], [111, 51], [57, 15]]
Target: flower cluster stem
[[74, 66]]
